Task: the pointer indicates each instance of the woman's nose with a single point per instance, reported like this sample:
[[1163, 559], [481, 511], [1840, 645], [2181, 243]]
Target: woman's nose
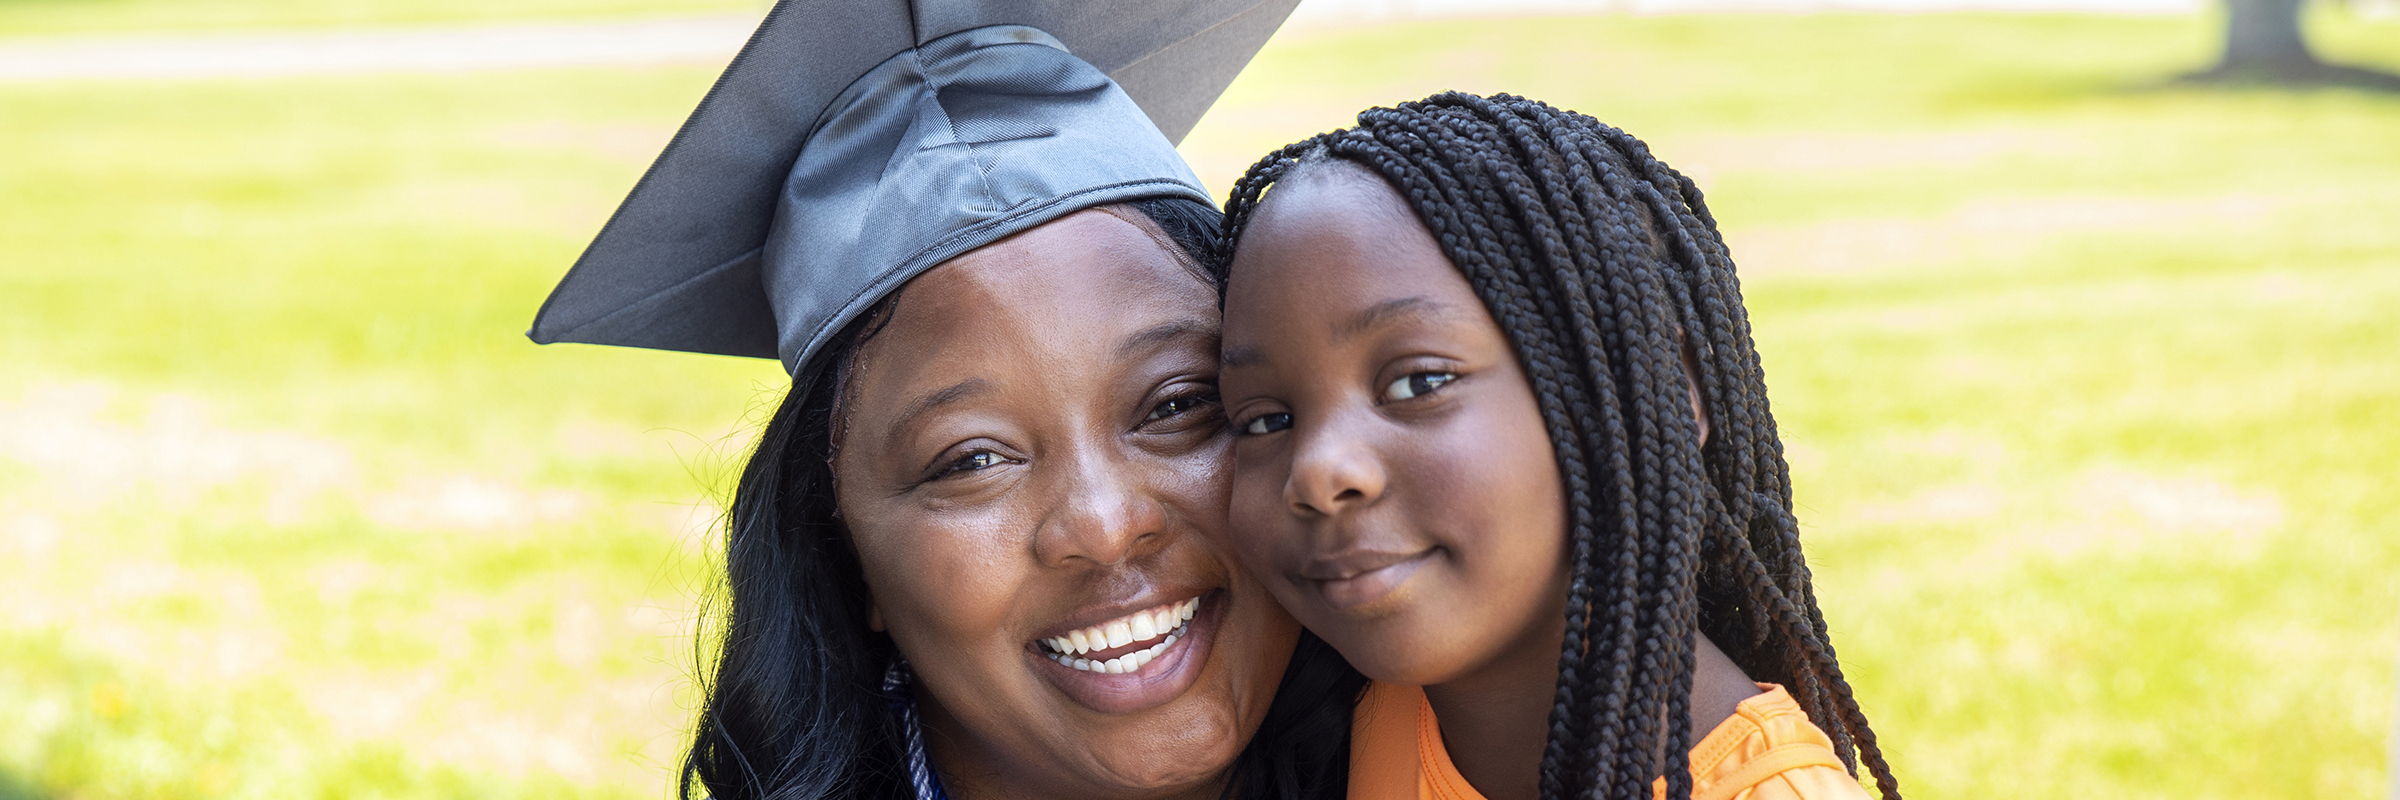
[[1106, 518], [1333, 471]]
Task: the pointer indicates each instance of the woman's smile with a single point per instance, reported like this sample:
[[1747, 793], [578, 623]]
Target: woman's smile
[[1123, 644], [1133, 661]]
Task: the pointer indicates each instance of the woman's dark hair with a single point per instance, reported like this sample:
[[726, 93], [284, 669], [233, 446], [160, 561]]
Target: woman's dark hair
[[1602, 264], [793, 678]]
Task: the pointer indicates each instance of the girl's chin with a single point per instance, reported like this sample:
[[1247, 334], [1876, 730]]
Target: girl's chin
[[1390, 649]]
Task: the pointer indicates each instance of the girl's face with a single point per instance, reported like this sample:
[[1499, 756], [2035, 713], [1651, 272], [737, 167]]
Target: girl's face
[[1033, 464], [1393, 483]]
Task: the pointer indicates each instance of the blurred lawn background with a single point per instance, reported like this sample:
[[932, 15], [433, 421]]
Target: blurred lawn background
[[2089, 386], [20, 17]]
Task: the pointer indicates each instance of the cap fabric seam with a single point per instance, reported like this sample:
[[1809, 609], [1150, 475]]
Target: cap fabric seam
[[913, 264], [669, 290], [983, 176], [1195, 35], [673, 142]]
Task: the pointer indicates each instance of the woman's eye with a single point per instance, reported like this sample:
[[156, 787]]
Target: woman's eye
[[1179, 406], [1417, 384], [980, 459], [1266, 423]]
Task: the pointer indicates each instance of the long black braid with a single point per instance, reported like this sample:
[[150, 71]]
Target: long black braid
[[1602, 265]]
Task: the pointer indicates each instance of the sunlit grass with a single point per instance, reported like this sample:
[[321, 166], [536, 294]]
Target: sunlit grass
[[2087, 382], [293, 505], [40, 17]]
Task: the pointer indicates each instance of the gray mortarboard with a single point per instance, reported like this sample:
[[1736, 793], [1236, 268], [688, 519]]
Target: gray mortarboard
[[853, 145]]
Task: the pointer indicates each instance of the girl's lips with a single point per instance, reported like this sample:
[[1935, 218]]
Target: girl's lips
[[1350, 580], [1164, 673]]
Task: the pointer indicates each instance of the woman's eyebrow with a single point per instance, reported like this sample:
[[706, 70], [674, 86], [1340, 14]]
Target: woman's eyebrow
[[919, 407], [1161, 334]]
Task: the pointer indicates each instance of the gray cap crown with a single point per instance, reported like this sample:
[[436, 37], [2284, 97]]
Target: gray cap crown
[[852, 146]]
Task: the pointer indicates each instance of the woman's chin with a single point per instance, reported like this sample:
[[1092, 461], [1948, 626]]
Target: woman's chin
[[1164, 676]]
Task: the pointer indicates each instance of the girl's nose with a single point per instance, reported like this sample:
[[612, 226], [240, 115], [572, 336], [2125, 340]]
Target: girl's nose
[[1333, 472]]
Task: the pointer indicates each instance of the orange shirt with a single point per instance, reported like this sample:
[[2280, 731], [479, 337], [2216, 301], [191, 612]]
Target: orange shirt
[[1768, 750]]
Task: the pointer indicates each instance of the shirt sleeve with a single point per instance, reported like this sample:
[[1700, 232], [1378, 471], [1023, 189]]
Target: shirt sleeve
[[1805, 783]]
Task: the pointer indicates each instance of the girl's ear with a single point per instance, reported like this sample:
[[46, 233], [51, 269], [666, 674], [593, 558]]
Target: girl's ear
[[1699, 412], [1691, 384], [875, 617]]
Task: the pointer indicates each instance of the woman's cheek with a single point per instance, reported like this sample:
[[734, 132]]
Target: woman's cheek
[[940, 582], [1268, 649], [1202, 480]]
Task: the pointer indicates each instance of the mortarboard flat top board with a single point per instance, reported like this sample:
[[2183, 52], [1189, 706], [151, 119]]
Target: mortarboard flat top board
[[852, 145]]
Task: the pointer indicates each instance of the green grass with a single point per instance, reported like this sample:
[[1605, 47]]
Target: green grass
[[39, 17], [2088, 387], [292, 504]]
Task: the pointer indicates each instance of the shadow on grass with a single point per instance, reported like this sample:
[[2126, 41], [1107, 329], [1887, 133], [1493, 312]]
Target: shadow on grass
[[2313, 78], [2306, 75], [15, 788]]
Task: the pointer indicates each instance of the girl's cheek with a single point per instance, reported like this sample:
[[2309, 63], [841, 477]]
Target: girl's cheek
[[1255, 530]]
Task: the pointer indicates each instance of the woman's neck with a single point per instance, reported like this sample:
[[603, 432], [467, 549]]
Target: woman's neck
[[1496, 721], [971, 772]]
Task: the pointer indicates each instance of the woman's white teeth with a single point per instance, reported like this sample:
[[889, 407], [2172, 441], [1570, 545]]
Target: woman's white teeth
[[1129, 662], [1139, 626]]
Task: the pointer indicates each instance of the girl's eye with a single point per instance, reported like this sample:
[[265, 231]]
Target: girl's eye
[[978, 460], [1266, 423], [1178, 406], [1417, 384]]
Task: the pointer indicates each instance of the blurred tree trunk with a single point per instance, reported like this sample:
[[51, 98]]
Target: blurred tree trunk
[[2263, 36], [2263, 44]]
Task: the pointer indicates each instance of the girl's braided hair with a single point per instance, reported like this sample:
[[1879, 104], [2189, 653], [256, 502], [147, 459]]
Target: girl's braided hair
[[1602, 265]]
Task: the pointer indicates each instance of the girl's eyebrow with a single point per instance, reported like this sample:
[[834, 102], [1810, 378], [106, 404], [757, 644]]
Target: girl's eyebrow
[[1388, 312], [1375, 316]]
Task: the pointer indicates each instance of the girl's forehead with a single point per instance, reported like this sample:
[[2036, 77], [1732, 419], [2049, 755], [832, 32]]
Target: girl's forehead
[[1328, 216], [1318, 186], [1341, 255]]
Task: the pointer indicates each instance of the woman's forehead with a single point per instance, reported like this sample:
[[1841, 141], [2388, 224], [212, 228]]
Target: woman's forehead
[[1061, 270], [1070, 299]]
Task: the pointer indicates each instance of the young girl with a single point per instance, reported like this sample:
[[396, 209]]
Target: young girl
[[1502, 435]]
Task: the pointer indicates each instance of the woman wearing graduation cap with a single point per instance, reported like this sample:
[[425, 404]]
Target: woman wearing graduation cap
[[977, 551]]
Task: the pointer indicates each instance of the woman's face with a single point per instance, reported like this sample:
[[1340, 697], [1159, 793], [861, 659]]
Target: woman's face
[[1393, 482], [1032, 469]]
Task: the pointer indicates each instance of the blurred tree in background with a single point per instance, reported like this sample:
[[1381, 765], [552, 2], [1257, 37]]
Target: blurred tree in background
[[2264, 43]]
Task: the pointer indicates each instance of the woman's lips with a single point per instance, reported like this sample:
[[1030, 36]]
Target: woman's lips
[[1356, 578], [1143, 670], [1123, 644]]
